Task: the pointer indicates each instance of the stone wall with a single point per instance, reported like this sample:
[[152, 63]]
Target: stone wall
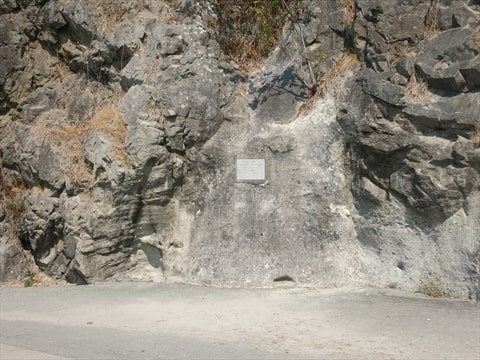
[[122, 122]]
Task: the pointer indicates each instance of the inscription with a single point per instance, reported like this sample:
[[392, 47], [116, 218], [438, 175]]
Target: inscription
[[250, 169]]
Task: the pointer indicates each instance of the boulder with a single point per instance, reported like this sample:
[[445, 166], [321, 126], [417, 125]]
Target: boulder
[[444, 57]]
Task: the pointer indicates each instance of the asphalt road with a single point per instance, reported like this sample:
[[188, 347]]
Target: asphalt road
[[157, 321]]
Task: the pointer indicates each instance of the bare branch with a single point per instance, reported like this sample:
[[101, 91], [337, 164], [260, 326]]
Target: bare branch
[[299, 31]]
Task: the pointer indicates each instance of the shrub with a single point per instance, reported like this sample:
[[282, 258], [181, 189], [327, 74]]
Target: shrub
[[432, 288], [12, 197], [249, 29], [29, 281]]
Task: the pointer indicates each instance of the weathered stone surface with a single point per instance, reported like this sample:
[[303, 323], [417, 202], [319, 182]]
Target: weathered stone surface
[[453, 14], [7, 6], [470, 71], [277, 96], [413, 142], [13, 263], [444, 57], [384, 23]]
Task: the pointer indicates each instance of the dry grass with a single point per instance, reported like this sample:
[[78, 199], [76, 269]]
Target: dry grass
[[348, 12], [113, 12], [398, 51], [476, 136], [12, 197], [417, 90], [432, 288], [331, 82], [476, 37], [71, 139], [109, 121], [432, 26], [116, 11], [37, 280]]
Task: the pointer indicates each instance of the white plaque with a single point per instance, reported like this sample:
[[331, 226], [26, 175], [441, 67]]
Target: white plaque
[[250, 169]]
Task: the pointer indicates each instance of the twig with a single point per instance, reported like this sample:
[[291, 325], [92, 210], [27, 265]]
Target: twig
[[299, 31]]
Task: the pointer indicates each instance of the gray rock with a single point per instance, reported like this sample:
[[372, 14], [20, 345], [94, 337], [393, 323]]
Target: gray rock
[[405, 67], [2, 213], [77, 18], [7, 6], [81, 108], [281, 144], [470, 71], [14, 265], [442, 59], [373, 192], [415, 148], [9, 58], [448, 79], [277, 95], [454, 14], [53, 16], [382, 23], [375, 84]]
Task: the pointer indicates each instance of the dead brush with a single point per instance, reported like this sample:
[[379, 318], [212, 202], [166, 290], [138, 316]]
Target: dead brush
[[247, 60], [114, 12], [109, 121], [433, 288], [12, 197], [72, 137], [398, 51], [432, 21], [348, 12], [248, 31], [172, 17], [476, 135], [417, 90], [330, 82], [476, 37]]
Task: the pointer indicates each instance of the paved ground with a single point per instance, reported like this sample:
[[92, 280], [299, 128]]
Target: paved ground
[[155, 321]]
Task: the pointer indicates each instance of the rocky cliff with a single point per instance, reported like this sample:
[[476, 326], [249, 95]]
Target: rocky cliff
[[122, 123]]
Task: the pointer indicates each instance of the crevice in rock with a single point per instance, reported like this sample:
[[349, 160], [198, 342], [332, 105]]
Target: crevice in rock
[[283, 278]]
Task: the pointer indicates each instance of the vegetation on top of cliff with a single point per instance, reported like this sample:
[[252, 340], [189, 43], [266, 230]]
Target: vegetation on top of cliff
[[249, 29]]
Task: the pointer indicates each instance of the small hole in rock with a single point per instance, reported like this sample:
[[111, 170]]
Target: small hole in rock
[[283, 278]]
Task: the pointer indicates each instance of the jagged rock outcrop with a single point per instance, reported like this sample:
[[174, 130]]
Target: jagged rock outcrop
[[122, 123], [407, 114], [99, 170]]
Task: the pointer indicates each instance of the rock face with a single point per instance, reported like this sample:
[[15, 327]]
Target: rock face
[[121, 126]]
